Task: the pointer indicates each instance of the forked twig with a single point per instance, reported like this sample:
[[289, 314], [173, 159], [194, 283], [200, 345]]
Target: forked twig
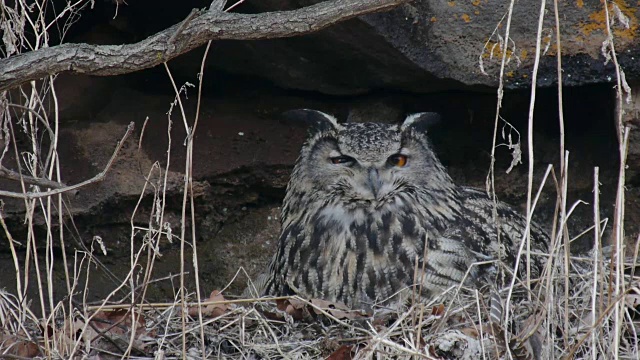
[[14, 175], [99, 177]]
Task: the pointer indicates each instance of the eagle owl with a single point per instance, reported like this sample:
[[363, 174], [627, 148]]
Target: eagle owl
[[367, 200]]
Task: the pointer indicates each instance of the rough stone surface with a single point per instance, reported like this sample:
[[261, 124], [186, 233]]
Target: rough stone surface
[[422, 46], [429, 45], [458, 39]]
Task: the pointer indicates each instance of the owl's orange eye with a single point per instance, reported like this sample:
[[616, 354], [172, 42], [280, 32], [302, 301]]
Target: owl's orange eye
[[398, 160], [345, 160]]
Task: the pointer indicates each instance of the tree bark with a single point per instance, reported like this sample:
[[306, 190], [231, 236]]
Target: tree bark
[[198, 28]]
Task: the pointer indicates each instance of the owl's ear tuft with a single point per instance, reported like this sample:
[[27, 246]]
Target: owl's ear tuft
[[421, 122], [317, 120]]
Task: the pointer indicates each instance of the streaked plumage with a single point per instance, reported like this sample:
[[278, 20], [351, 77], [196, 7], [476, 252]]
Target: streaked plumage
[[352, 229]]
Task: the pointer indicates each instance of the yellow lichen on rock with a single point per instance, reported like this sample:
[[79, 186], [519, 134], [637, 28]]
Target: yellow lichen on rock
[[598, 21], [493, 50]]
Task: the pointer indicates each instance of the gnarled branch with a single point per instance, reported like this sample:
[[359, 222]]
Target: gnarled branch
[[204, 25]]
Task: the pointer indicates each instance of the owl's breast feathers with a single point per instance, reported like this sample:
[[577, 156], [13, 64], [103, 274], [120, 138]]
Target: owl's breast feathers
[[362, 255]]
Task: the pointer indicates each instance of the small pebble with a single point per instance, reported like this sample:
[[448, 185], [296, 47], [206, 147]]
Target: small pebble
[[241, 133]]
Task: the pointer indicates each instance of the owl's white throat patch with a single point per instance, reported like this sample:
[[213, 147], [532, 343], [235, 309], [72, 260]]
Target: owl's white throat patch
[[354, 211], [338, 215]]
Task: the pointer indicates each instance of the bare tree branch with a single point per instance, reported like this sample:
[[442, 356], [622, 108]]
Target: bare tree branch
[[196, 30], [59, 190], [15, 176]]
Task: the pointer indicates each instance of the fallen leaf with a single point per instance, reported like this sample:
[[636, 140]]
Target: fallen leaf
[[14, 346], [344, 352], [437, 310], [212, 310], [116, 321], [470, 332], [338, 310], [295, 308], [110, 327], [305, 310]]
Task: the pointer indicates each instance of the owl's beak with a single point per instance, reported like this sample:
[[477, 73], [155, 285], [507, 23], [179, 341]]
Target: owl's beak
[[374, 182]]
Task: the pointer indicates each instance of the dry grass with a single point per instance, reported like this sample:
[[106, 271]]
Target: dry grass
[[457, 324], [584, 306]]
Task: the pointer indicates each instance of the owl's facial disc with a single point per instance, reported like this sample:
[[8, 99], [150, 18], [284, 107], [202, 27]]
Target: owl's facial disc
[[370, 180], [367, 164]]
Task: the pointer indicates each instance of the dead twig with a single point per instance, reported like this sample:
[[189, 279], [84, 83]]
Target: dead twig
[[13, 175], [184, 24], [99, 177]]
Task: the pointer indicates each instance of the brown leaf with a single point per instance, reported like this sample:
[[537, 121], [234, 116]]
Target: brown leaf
[[281, 304], [338, 310], [295, 308], [470, 332], [117, 326], [14, 345], [438, 310], [212, 310], [302, 310], [273, 315], [344, 352], [115, 321], [297, 304]]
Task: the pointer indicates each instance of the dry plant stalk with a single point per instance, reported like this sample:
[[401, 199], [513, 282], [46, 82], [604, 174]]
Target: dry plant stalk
[[608, 314]]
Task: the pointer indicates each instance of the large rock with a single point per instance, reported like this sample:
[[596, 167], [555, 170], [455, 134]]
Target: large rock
[[429, 45], [421, 46], [460, 39]]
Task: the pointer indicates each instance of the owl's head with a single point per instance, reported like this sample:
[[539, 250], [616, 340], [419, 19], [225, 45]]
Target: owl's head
[[367, 163]]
